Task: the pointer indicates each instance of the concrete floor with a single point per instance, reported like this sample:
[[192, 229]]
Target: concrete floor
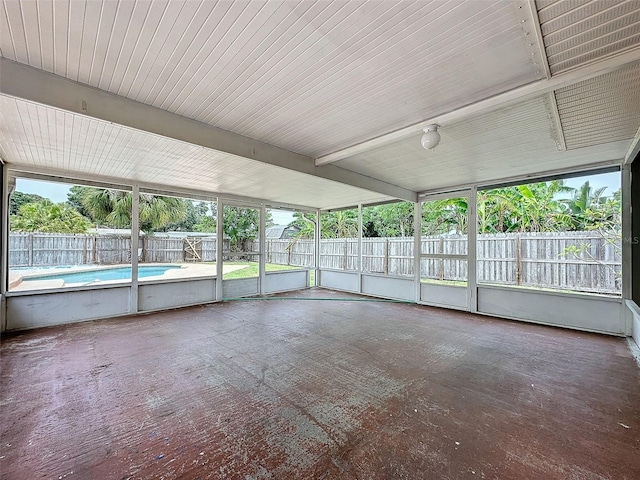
[[305, 389]]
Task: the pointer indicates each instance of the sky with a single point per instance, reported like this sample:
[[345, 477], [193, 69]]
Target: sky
[[610, 180], [57, 192]]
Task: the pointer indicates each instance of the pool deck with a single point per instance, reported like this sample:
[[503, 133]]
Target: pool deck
[[16, 283]]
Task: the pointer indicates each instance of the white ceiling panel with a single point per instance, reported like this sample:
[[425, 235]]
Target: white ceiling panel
[[39, 138], [311, 77], [577, 32], [603, 109], [315, 78], [511, 142]]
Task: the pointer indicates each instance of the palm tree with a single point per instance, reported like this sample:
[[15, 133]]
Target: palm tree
[[533, 207], [113, 208], [583, 204]]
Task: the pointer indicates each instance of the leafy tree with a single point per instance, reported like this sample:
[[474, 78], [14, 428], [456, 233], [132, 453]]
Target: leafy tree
[[538, 208], [199, 217], [19, 198], [113, 208], [533, 207], [444, 216], [48, 217], [206, 224], [585, 207], [390, 220], [369, 229], [74, 199], [241, 225]]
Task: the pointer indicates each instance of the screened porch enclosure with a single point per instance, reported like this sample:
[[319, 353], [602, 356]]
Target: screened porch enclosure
[[319, 239], [191, 142]]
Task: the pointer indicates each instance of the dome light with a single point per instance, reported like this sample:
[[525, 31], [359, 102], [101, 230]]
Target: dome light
[[431, 137]]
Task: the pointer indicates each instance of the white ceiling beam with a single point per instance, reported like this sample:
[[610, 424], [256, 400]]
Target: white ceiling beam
[[506, 99], [556, 121], [34, 85], [532, 10]]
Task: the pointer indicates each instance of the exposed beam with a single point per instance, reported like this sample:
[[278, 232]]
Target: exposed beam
[[532, 10], [34, 85], [554, 114], [506, 99]]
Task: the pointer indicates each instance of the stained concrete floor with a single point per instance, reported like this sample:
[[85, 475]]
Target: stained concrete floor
[[305, 389]]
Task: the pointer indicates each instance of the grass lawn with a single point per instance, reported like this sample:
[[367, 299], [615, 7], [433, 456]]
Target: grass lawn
[[251, 269]]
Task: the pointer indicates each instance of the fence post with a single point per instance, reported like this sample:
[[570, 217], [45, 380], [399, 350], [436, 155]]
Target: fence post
[[267, 253], [441, 252], [30, 247], [386, 256], [346, 261], [518, 259]]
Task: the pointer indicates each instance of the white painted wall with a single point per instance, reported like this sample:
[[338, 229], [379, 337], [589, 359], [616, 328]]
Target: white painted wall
[[346, 281], [448, 296], [56, 308], [240, 287], [395, 288], [285, 281], [584, 312], [159, 296]]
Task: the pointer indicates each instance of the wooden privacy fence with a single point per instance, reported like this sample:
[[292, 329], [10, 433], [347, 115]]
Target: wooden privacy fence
[[583, 261], [55, 249], [297, 253], [176, 250]]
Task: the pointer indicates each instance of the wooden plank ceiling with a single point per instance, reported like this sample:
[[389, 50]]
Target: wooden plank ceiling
[[315, 78]]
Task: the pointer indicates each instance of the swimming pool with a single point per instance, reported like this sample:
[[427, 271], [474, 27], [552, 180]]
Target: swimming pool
[[103, 274]]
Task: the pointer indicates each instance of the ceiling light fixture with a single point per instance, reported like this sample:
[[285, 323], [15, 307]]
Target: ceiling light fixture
[[431, 137]]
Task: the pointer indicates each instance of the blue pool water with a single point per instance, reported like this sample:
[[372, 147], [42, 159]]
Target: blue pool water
[[115, 273]]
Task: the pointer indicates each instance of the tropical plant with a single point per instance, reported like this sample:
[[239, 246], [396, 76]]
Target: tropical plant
[[306, 223], [390, 220], [19, 198], [241, 225], [199, 217], [48, 217], [444, 216], [112, 208], [340, 224], [533, 207], [585, 206]]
